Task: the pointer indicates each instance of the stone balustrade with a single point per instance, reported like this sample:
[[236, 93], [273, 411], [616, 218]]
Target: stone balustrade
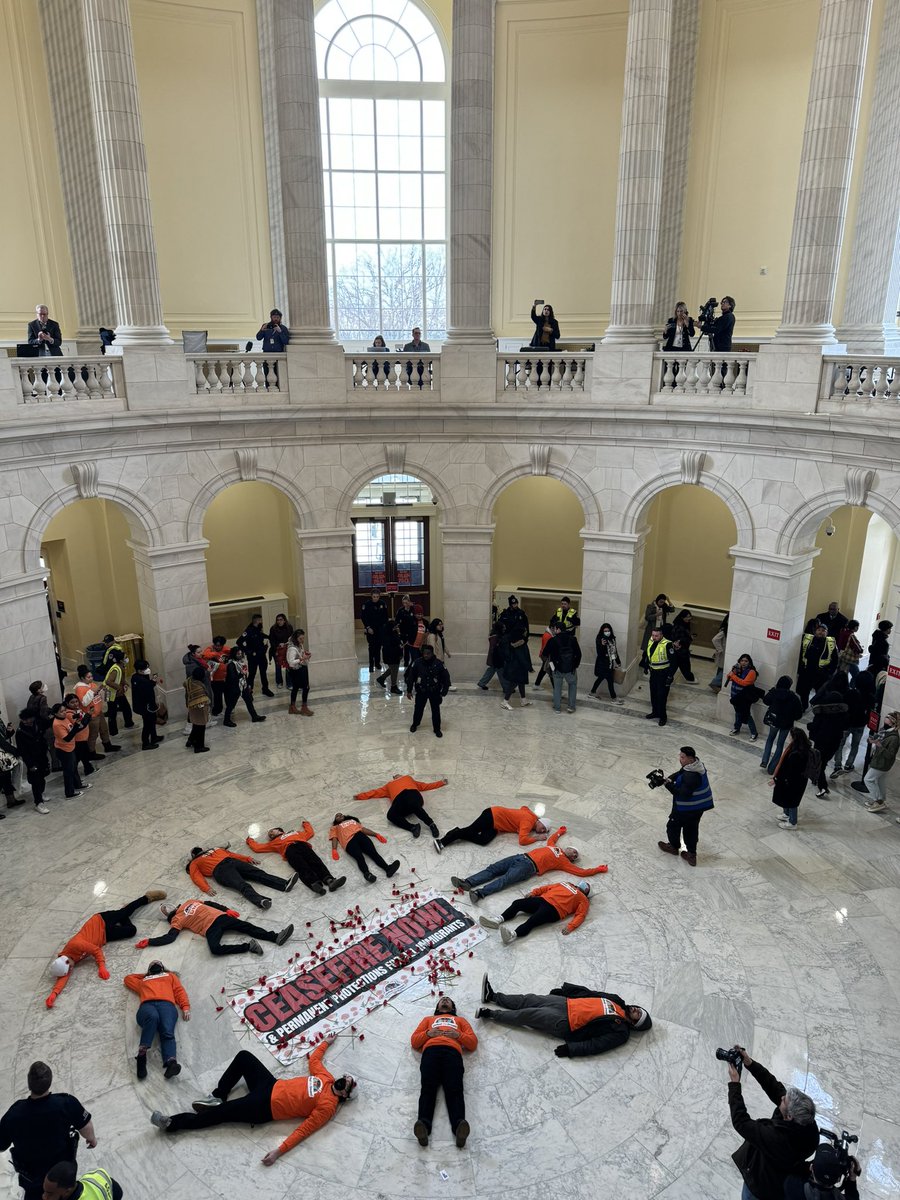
[[390, 373], [238, 374], [550, 372], [45, 380], [860, 380], [704, 374]]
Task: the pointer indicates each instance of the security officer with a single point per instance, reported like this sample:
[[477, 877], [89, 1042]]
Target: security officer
[[566, 616], [657, 661], [818, 658], [62, 1183]]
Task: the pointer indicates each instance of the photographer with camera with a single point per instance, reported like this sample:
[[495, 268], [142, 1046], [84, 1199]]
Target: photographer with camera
[[691, 797], [718, 329], [775, 1146], [821, 1179]]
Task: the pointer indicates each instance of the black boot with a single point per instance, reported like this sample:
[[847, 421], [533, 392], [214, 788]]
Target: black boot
[[141, 1060]]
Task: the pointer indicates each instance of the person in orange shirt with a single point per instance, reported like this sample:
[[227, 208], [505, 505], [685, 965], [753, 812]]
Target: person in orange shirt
[[161, 995], [588, 1022], [491, 821], [66, 727], [442, 1039], [236, 871], [90, 697], [519, 867], [544, 906], [295, 849], [357, 841], [314, 1097], [405, 795], [217, 654], [212, 921], [112, 926]]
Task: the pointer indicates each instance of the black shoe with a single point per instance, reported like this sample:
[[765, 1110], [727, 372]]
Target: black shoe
[[413, 728], [292, 882], [420, 1129], [229, 724], [110, 749], [663, 721], [141, 1060], [256, 720], [265, 902], [369, 877], [461, 1132], [131, 726], [393, 868], [334, 884], [416, 829], [487, 992], [253, 947], [380, 681], [650, 716], [318, 888], [159, 737], [396, 691], [284, 935], [96, 757], [14, 803], [172, 1068], [437, 733], [201, 749], [152, 746], [265, 693]]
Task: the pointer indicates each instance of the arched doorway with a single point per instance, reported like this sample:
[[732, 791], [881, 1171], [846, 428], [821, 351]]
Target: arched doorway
[[856, 566], [253, 563]]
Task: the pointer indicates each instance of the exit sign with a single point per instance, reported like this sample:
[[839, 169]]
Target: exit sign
[[894, 672], [774, 635]]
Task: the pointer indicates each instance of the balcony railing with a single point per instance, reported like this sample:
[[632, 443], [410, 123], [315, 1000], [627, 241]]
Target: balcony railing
[[393, 373], [543, 372], [45, 380], [239, 374], [860, 379], [704, 374]]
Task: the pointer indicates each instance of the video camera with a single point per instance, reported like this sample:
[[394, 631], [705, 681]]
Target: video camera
[[831, 1164], [655, 778], [705, 316]]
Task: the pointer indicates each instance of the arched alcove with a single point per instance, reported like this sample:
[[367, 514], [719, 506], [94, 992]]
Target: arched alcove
[[856, 565]]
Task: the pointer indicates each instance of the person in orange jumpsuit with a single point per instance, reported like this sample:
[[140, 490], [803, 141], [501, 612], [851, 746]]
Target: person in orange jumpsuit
[[314, 1097], [544, 905], [442, 1039], [237, 871], [491, 821], [161, 995], [111, 926], [405, 795], [295, 849], [588, 1022], [519, 867]]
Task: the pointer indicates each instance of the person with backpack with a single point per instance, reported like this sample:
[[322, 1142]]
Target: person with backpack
[[564, 655], [793, 770], [783, 708], [830, 715], [431, 681]]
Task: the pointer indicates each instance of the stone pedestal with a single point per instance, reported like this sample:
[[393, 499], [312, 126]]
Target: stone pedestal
[[328, 587], [317, 373], [611, 591], [157, 378], [469, 373], [467, 596], [788, 377], [26, 643], [174, 603]]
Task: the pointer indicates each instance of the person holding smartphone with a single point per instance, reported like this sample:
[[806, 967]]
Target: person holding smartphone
[[274, 335], [546, 326]]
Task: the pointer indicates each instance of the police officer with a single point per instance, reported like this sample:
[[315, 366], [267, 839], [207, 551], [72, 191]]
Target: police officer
[[657, 662], [62, 1183]]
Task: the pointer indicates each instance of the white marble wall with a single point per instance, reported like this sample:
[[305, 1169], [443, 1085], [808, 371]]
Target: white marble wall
[[467, 595], [611, 591], [328, 578]]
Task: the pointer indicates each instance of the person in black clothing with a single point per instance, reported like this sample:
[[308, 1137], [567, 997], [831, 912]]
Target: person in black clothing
[[722, 327], [860, 702], [406, 626], [373, 616], [679, 329], [833, 619], [43, 1129], [783, 708], [39, 707], [143, 701], [32, 746], [62, 1183], [818, 658], [775, 1146], [880, 644], [279, 636], [606, 662], [9, 750], [830, 716], [254, 643], [681, 645], [821, 1179], [546, 327], [237, 688], [274, 335], [240, 873], [431, 681], [563, 653], [516, 619], [391, 653]]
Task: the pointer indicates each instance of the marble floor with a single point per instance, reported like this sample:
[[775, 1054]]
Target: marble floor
[[786, 942]]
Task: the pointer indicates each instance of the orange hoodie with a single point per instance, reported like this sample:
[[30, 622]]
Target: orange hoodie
[[308, 1096], [201, 868], [550, 858], [566, 898], [394, 787], [466, 1040], [89, 939], [165, 986], [344, 832], [281, 843], [515, 820]]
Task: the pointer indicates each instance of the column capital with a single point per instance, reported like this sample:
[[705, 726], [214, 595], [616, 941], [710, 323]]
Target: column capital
[[782, 565], [325, 539], [177, 554], [599, 541], [18, 587], [466, 535]]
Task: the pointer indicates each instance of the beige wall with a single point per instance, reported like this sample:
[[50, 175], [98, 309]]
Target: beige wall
[[252, 547], [686, 553], [536, 536], [835, 573]]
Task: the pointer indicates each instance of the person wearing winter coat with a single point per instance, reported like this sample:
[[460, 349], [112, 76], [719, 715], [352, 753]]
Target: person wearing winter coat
[[656, 615], [860, 702], [585, 1022], [885, 745], [790, 777], [441, 1040], [516, 619], [783, 708], [744, 692], [373, 615], [438, 643], [279, 636], [563, 653], [818, 658], [512, 651], [431, 682], [849, 649], [391, 654], [606, 662], [491, 665], [297, 663], [255, 644], [691, 797], [237, 687], [197, 701], [143, 702], [681, 641], [830, 715]]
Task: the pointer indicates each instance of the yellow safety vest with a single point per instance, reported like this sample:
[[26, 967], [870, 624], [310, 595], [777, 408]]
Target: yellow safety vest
[[658, 655], [98, 1185], [825, 656], [567, 617]]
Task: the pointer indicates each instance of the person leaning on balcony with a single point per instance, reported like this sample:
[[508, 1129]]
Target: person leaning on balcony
[[44, 333], [679, 329], [546, 327], [274, 336], [417, 345]]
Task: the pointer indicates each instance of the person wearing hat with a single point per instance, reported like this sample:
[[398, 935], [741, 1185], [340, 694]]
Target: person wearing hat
[[519, 867], [116, 693], [111, 643], [516, 619], [112, 926], [431, 681], [588, 1022], [821, 1179], [213, 921], [544, 906], [773, 1147], [315, 1098], [441, 1039]]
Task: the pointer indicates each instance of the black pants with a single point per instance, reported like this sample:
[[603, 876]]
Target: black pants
[[253, 1109], [540, 675], [37, 778], [254, 665], [301, 857], [226, 924], [409, 803], [607, 674], [660, 682], [481, 831], [118, 920], [119, 705], [419, 708], [360, 847], [218, 695], [32, 1180], [374, 644], [827, 748], [298, 678], [231, 704], [197, 737], [509, 687], [442, 1067], [83, 757], [232, 873], [392, 669], [540, 913], [148, 729], [71, 778], [684, 825]]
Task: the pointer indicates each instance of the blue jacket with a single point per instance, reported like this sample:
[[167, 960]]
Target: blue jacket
[[690, 789]]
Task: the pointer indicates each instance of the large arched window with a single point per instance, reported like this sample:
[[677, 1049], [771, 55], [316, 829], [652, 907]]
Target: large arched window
[[383, 89]]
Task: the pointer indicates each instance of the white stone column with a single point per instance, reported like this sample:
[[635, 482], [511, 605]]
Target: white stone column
[[123, 173], [467, 596], [611, 591], [641, 161], [328, 588], [174, 601], [767, 615], [26, 642], [823, 187], [869, 324]]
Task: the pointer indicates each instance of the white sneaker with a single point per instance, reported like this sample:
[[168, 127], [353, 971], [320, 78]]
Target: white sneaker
[[570, 710], [526, 703], [506, 704], [452, 687], [41, 808], [507, 935], [783, 819], [491, 922], [789, 827]]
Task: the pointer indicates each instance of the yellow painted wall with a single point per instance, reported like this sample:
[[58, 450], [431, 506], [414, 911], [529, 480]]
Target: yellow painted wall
[[198, 78], [536, 536], [835, 573], [92, 572], [250, 530], [686, 552]]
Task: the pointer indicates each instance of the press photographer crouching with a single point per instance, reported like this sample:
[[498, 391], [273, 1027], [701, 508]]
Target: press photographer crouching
[[832, 1174], [691, 797], [718, 329], [774, 1147]]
